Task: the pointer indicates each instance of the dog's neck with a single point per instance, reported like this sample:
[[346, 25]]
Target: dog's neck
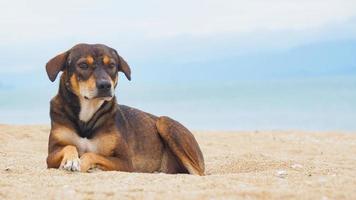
[[88, 108]]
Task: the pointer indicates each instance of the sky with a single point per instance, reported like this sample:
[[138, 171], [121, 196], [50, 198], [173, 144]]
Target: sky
[[249, 49], [180, 31]]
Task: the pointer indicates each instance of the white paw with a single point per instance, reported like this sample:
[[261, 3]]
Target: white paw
[[72, 165]]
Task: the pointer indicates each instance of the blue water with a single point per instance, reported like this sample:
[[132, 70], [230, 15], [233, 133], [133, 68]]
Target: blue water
[[322, 103]]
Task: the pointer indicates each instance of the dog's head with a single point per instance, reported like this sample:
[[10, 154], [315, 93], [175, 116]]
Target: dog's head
[[91, 71]]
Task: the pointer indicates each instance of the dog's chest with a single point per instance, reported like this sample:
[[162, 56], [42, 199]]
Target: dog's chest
[[86, 145], [103, 144]]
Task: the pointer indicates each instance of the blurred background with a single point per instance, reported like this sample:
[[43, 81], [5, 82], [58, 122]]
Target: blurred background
[[212, 65]]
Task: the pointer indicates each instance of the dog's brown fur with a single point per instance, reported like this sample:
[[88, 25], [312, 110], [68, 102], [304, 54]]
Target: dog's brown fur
[[114, 137]]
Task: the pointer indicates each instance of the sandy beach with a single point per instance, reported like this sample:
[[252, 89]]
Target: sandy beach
[[251, 165]]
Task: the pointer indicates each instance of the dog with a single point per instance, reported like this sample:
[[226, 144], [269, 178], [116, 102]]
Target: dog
[[90, 130]]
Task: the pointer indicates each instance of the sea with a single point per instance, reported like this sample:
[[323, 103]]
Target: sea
[[304, 103]]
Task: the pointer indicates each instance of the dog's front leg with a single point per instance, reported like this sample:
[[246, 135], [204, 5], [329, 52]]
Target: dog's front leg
[[90, 160], [65, 158]]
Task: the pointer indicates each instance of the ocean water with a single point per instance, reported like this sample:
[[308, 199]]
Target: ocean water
[[322, 103]]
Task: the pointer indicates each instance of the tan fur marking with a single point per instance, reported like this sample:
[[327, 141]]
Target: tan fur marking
[[74, 84], [90, 60], [90, 84], [63, 135], [106, 60], [88, 88]]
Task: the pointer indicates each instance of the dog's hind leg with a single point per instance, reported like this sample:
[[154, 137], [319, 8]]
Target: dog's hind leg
[[182, 143]]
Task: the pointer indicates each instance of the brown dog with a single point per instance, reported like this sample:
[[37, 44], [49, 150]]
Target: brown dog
[[89, 129]]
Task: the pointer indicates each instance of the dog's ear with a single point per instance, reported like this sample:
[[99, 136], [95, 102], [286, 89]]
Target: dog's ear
[[123, 66], [55, 65]]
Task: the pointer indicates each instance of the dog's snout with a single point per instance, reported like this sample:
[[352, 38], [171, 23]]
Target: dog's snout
[[103, 85]]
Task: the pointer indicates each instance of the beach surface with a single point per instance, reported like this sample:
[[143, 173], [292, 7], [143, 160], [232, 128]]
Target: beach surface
[[239, 165]]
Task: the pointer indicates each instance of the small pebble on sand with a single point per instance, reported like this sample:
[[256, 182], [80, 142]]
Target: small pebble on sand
[[281, 173], [296, 166]]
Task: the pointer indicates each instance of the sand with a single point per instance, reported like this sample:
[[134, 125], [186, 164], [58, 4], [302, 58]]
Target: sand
[[248, 165]]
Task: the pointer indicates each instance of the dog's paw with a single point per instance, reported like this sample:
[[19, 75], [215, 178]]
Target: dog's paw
[[71, 165], [86, 161]]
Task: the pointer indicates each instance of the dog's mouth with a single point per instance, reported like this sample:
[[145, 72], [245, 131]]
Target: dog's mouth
[[106, 95], [100, 97]]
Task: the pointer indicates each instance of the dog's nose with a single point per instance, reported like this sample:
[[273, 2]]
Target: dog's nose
[[103, 85]]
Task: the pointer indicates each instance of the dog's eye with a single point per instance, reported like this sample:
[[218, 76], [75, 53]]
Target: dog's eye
[[112, 65], [83, 65]]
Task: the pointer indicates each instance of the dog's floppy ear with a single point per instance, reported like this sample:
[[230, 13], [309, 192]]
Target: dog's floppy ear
[[123, 66], [55, 65]]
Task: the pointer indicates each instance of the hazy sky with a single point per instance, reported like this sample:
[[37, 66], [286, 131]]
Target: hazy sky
[[48, 20], [33, 31]]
